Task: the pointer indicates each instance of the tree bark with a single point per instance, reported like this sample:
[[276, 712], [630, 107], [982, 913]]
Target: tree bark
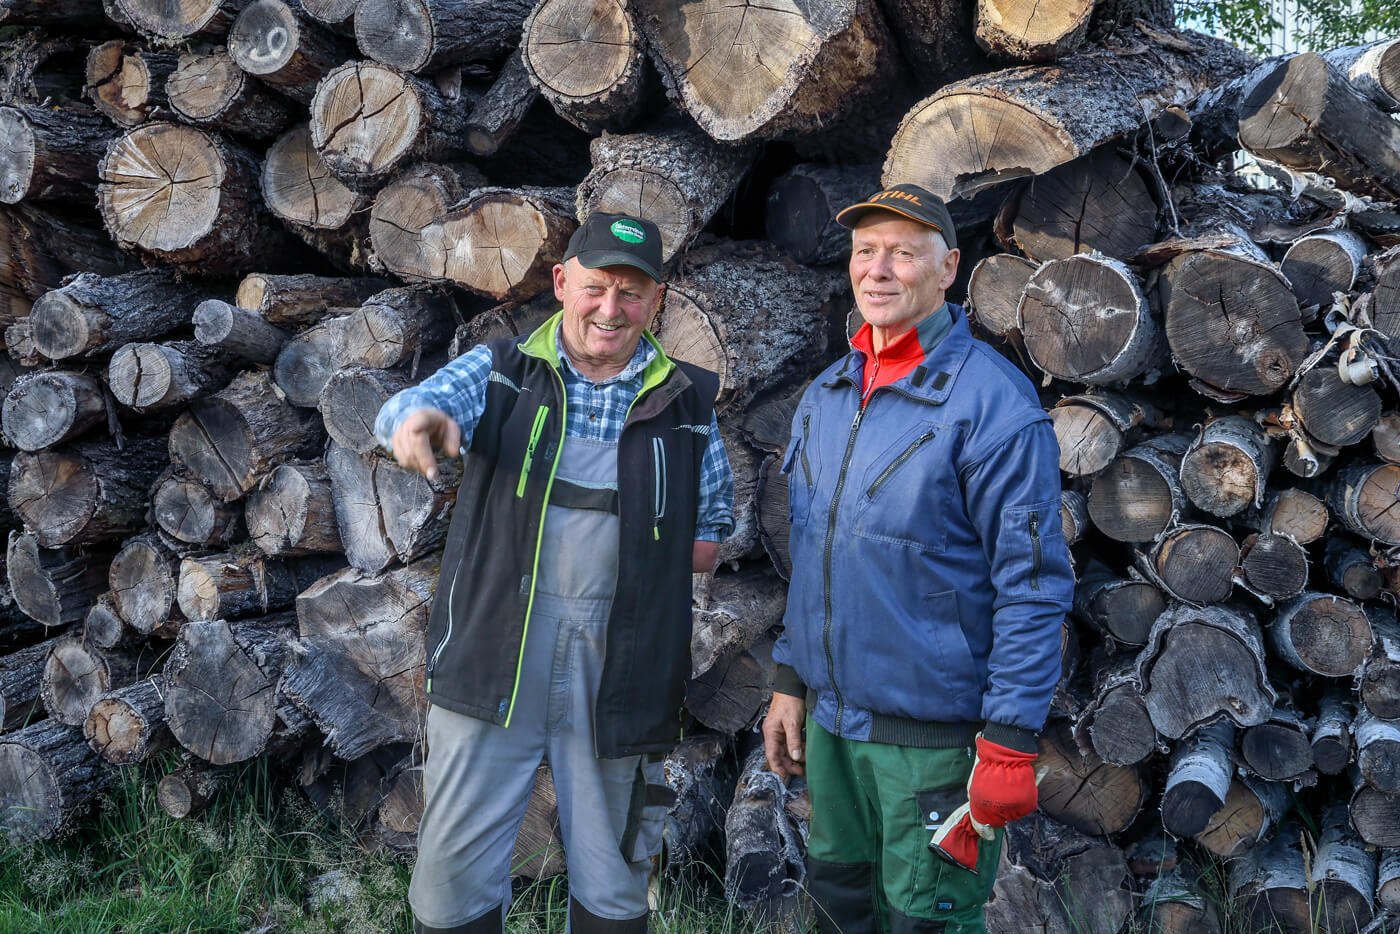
[[1279, 750], [1377, 752], [1375, 815], [1271, 884], [1093, 428], [1331, 736], [1334, 412], [93, 315], [763, 850], [1171, 905], [54, 587], [1252, 809], [128, 724], [1199, 779], [1322, 264], [234, 438], [1115, 723], [48, 774], [212, 91], [298, 301], [1379, 685], [44, 249], [496, 115], [52, 407], [21, 674], [702, 776], [64, 13], [1139, 496], [385, 512], [50, 153], [271, 40], [293, 512], [428, 35], [773, 525], [800, 214], [1122, 608], [237, 332], [586, 58], [1342, 876], [150, 377], [673, 175], [1352, 568], [744, 463], [1224, 470], [187, 510], [1373, 69], [1097, 203], [88, 492], [233, 585], [1321, 634]]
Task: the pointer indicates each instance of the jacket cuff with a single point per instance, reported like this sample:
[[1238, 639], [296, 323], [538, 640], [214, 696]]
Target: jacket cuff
[[1012, 737], [787, 681]]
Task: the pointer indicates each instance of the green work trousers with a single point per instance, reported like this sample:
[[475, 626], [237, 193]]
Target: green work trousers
[[874, 809]]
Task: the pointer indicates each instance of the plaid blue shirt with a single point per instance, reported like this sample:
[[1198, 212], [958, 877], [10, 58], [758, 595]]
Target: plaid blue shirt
[[592, 410]]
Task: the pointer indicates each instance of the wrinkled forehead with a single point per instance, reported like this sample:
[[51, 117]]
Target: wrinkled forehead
[[881, 228], [627, 276]]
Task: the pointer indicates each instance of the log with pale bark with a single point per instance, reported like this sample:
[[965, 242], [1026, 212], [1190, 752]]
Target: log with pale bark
[[1373, 69], [1322, 264], [1252, 810], [1198, 779], [210, 90], [1363, 497], [1194, 563], [1379, 682], [1224, 470], [48, 774], [1271, 884], [1274, 565], [1279, 749], [1055, 878], [86, 492], [702, 777], [763, 854], [586, 58], [52, 407], [1122, 608], [1115, 722], [144, 577]]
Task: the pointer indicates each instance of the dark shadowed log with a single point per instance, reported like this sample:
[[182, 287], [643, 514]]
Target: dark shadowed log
[[994, 292], [1295, 513], [298, 301], [735, 612], [1196, 563], [1139, 496], [426, 35], [586, 58], [45, 248], [1085, 319], [1351, 567], [395, 327], [192, 787], [325, 212], [180, 19], [803, 69], [748, 315], [54, 587], [237, 332], [1172, 905], [341, 703], [50, 153], [232, 439], [1321, 633], [104, 628], [1094, 428], [1322, 264], [1099, 203], [230, 585], [306, 362], [351, 399], [92, 314], [746, 465], [1388, 881], [1030, 32], [368, 120], [1375, 815], [1226, 466], [40, 66], [1306, 115], [1334, 412], [1331, 736], [1342, 876], [147, 377], [1120, 607], [70, 13], [493, 120], [1270, 883], [1074, 515], [800, 214], [1115, 721], [211, 91], [1199, 779], [1232, 321], [1009, 124], [144, 576], [1083, 790], [76, 674], [1279, 749], [126, 82], [128, 725], [1057, 880], [730, 694], [1379, 686], [273, 42], [702, 776], [674, 175], [293, 511], [188, 511], [219, 685], [180, 195], [763, 849], [1373, 69], [1377, 751], [21, 673], [396, 817], [773, 525], [51, 407], [403, 223], [385, 512], [1274, 565], [1253, 808], [48, 774], [87, 492], [1200, 663]]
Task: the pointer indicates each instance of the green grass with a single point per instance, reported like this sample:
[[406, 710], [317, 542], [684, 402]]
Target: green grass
[[247, 864]]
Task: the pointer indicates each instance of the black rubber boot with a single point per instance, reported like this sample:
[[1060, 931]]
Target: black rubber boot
[[489, 923], [583, 921], [844, 894]]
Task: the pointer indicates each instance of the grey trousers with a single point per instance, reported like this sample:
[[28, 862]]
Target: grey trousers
[[477, 781]]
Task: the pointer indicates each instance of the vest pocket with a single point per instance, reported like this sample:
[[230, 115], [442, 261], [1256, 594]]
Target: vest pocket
[[658, 463], [535, 431]]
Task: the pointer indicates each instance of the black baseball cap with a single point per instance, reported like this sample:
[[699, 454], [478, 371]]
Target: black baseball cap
[[911, 201], [617, 240]]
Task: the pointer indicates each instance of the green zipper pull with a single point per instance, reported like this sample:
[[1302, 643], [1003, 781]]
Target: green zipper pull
[[535, 431]]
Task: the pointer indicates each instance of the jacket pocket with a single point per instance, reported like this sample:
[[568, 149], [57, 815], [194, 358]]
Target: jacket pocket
[[1028, 539], [646, 812], [902, 494], [658, 465], [801, 469], [536, 430]]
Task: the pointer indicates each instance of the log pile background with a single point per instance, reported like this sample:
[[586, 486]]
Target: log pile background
[[231, 229]]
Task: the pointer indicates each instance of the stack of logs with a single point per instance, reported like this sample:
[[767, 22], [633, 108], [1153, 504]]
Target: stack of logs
[[232, 228]]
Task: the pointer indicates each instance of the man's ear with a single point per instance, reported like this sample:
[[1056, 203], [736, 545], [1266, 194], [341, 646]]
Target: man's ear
[[950, 267], [656, 304], [559, 277]]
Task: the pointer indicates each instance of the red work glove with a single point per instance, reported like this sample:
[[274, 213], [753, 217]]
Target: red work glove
[[1002, 786], [956, 839]]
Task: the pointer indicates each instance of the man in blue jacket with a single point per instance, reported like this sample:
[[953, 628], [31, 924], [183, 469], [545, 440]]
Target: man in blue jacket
[[930, 579]]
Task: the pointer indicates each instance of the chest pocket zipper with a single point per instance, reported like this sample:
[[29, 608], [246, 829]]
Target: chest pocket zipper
[[899, 462], [535, 431], [1034, 521], [658, 460]]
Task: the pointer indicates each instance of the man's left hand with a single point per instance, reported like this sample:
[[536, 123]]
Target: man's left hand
[[1002, 787]]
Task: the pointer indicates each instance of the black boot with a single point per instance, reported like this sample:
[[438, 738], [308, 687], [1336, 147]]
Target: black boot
[[489, 923], [583, 921]]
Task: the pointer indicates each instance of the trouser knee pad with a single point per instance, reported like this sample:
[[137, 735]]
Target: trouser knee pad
[[903, 924], [489, 923], [844, 894], [583, 921]]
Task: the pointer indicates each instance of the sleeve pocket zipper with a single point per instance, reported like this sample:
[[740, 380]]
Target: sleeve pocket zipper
[[802, 450], [898, 462], [1034, 522], [658, 458], [535, 431]]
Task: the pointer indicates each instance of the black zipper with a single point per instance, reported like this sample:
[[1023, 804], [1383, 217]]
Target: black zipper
[[1035, 550], [898, 461], [802, 449], [826, 567]]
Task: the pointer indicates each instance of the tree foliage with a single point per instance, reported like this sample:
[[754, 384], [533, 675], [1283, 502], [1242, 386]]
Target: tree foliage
[[1273, 26]]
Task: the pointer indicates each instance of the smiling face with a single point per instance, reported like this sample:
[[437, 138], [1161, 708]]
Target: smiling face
[[899, 272], [605, 312]]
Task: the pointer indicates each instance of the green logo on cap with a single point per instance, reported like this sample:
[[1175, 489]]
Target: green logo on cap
[[628, 231]]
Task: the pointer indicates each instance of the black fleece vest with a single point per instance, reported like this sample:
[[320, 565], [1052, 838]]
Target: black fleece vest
[[481, 608]]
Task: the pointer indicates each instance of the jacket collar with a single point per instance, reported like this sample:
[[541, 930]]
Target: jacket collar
[[932, 380]]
